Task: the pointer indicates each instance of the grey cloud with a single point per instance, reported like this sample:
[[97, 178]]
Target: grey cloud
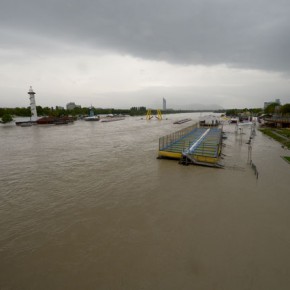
[[247, 34]]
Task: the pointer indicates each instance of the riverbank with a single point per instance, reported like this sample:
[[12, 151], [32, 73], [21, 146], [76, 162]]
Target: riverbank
[[280, 135]]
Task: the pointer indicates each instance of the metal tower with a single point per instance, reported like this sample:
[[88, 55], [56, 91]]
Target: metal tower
[[31, 94]]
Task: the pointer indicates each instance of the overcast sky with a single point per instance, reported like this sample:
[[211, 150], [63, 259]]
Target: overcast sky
[[124, 53]]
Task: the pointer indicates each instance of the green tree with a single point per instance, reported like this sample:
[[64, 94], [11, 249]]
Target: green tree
[[271, 108], [7, 118], [39, 110], [285, 109], [232, 112]]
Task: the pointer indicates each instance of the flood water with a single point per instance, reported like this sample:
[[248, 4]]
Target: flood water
[[88, 206]]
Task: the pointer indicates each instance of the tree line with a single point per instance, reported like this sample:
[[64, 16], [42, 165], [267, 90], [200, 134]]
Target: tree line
[[236, 112], [135, 111], [59, 112], [273, 108]]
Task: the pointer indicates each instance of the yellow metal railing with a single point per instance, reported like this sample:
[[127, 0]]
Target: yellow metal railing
[[169, 139]]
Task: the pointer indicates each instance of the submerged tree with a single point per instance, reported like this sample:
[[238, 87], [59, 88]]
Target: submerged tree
[[7, 118]]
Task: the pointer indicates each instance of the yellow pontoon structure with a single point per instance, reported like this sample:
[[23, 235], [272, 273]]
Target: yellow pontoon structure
[[149, 115], [159, 115]]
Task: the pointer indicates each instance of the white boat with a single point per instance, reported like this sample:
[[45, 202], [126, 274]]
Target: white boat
[[28, 124], [112, 119], [92, 116], [234, 120]]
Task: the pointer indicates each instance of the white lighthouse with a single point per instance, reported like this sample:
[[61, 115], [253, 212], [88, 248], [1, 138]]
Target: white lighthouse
[[31, 94]]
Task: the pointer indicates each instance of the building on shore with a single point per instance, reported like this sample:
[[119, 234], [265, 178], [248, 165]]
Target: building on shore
[[266, 104], [209, 120], [72, 105]]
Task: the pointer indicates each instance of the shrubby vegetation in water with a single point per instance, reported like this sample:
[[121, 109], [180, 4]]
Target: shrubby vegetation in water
[[6, 118]]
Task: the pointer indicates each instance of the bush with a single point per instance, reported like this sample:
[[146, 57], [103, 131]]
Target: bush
[[7, 118]]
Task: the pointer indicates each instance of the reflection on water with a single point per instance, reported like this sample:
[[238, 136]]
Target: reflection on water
[[88, 206]]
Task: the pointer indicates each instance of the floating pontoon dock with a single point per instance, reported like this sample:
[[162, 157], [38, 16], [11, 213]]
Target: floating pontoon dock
[[182, 121], [193, 145]]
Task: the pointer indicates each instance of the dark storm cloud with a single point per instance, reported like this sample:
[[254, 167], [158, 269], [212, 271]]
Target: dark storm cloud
[[247, 34]]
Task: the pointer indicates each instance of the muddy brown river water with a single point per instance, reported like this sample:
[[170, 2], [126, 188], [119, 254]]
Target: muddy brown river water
[[88, 206]]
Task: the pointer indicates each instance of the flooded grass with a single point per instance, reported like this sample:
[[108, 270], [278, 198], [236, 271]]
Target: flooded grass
[[287, 158], [284, 131], [280, 135]]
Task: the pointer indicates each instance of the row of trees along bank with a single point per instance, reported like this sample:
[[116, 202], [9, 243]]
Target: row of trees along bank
[[134, 111], [57, 112], [274, 108]]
